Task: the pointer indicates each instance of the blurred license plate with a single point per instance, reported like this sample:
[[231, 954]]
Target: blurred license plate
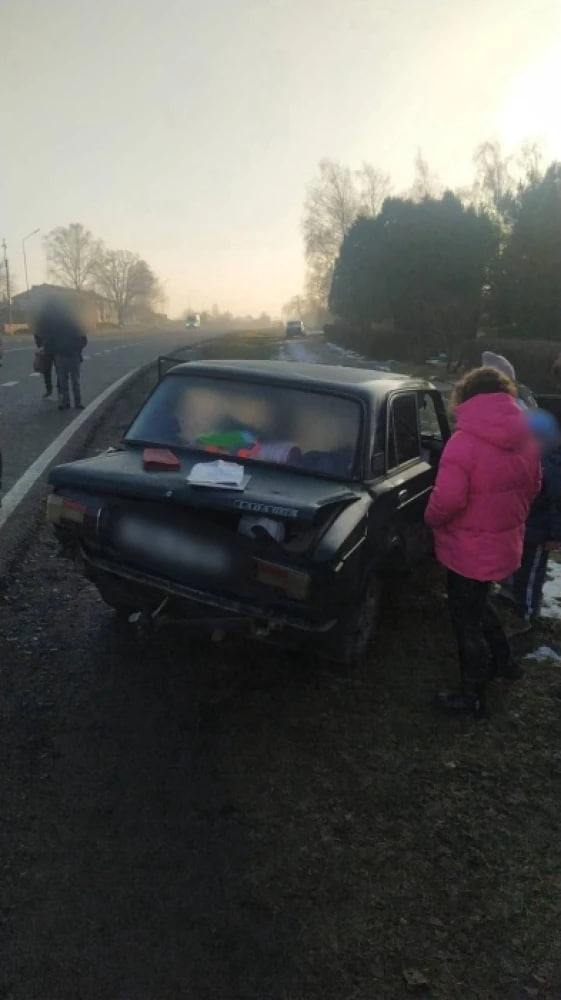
[[158, 544]]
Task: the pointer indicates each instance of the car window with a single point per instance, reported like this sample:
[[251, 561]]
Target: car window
[[428, 417], [254, 421], [403, 430], [378, 458]]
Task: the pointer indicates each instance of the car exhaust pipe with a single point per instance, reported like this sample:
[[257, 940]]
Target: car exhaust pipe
[[146, 621]]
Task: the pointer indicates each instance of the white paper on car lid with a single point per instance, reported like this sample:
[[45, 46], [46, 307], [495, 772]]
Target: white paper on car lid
[[224, 475]]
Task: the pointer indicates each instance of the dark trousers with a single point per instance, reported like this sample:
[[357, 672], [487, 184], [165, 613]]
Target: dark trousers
[[529, 580], [68, 370], [482, 643], [48, 373]]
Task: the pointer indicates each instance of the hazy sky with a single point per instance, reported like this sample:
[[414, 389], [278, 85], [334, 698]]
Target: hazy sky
[[188, 130]]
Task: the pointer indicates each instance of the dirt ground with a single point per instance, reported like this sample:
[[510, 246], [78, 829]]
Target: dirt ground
[[190, 821]]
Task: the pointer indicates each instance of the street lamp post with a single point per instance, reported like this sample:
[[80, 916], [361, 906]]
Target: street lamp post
[[34, 233], [8, 292]]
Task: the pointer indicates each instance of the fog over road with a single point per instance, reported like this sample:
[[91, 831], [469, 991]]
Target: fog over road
[[28, 423]]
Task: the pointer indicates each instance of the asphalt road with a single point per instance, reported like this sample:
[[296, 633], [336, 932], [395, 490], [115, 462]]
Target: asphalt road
[[28, 423]]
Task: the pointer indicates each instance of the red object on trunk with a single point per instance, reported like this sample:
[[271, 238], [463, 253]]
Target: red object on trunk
[[160, 459]]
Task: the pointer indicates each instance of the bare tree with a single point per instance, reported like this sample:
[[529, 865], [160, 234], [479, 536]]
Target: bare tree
[[494, 183], [160, 296], [72, 255], [329, 211], [293, 308], [374, 187], [6, 280], [125, 280], [425, 183], [313, 313], [529, 161]]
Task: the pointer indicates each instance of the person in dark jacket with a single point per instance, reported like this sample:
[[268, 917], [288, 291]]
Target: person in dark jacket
[[63, 338], [525, 395], [543, 527], [48, 362]]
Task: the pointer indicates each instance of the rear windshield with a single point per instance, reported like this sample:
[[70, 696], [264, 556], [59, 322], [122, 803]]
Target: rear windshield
[[312, 431]]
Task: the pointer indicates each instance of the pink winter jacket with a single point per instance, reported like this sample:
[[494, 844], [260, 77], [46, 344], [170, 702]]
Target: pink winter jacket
[[488, 476]]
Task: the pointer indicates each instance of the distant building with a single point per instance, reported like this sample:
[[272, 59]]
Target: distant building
[[91, 309]]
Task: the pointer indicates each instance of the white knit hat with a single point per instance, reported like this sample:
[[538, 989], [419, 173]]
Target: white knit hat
[[491, 360]]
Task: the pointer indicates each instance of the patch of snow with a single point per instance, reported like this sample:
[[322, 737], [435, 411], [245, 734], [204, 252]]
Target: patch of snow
[[298, 350], [543, 653], [551, 604], [381, 366], [338, 348]]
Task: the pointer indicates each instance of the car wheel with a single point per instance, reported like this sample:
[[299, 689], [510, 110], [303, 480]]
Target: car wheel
[[360, 624]]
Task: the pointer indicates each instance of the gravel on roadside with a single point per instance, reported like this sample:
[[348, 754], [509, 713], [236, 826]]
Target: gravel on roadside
[[188, 820]]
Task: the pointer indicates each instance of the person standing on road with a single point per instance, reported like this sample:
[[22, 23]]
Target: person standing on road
[[488, 476], [63, 338], [47, 364]]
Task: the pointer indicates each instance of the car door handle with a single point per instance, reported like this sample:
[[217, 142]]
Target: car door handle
[[402, 496]]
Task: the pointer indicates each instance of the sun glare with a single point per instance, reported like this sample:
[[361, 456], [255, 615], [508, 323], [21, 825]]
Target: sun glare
[[531, 108]]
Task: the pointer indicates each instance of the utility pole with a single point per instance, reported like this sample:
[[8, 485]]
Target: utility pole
[[7, 267], [23, 242]]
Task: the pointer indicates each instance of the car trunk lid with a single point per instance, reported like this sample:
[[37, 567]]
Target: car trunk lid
[[270, 492]]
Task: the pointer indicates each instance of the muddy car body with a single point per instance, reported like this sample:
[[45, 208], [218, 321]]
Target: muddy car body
[[338, 464]]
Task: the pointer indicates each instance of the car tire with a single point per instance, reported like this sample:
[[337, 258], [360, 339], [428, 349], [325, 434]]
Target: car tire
[[358, 629]]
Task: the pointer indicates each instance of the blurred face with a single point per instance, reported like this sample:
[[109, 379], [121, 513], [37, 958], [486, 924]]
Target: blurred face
[[193, 412], [544, 429], [541, 443]]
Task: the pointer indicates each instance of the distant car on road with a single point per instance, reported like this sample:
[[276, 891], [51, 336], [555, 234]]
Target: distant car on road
[[294, 328], [193, 321], [437, 358], [334, 468]]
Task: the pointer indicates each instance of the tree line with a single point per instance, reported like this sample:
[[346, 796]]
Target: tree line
[[432, 265], [77, 259]]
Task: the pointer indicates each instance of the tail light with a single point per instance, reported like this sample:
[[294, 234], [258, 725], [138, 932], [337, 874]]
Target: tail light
[[69, 510], [292, 582]]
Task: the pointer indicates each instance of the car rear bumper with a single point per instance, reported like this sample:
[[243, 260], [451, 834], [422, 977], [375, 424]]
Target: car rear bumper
[[97, 568]]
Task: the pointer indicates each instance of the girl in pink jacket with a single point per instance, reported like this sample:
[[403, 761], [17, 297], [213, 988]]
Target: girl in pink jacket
[[488, 476]]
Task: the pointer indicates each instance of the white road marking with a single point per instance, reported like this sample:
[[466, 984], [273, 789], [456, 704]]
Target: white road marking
[[12, 350], [7, 385], [34, 374], [19, 490]]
